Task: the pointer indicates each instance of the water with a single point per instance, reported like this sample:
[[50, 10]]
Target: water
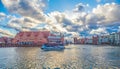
[[73, 57]]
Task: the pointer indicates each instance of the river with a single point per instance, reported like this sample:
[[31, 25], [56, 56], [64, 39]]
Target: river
[[72, 57]]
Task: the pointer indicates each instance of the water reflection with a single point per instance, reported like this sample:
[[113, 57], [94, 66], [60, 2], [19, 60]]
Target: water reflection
[[73, 57]]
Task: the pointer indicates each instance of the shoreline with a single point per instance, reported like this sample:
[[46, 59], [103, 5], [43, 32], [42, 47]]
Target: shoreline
[[17, 45], [39, 45]]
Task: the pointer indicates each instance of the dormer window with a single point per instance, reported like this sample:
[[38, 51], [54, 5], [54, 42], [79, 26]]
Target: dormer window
[[21, 34], [28, 34], [36, 35]]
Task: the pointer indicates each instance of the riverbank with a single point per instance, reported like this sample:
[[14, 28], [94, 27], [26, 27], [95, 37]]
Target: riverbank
[[39, 45], [18, 45]]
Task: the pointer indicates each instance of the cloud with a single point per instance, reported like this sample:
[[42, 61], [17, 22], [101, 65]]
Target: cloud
[[80, 7], [4, 32], [23, 23], [27, 8], [99, 31], [107, 14], [2, 16], [72, 22]]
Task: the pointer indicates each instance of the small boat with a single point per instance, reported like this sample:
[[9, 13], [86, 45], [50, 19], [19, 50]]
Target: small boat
[[55, 42], [52, 47]]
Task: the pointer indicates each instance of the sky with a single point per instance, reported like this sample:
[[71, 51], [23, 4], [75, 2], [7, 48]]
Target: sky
[[71, 17]]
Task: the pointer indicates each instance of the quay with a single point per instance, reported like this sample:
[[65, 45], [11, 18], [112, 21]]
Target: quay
[[18, 45]]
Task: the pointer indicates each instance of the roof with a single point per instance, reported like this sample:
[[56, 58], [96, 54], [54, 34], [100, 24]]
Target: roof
[[33, 33], [54, 37]]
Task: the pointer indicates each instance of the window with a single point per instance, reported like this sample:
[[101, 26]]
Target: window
[[36, 35], [28, 34], [21, 34]]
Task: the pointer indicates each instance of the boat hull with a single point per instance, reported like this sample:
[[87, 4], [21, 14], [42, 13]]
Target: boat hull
[[52, 47]]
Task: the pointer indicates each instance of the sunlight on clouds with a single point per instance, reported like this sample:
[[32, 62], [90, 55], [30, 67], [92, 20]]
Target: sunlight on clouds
[[7, 33], [74, 22], [99, 31]]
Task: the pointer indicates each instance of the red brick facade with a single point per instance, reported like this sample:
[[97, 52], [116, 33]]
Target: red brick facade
[[95, 40], [31, 37]]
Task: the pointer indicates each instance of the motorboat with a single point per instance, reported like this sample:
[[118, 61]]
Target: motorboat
[[54, 43], [52, 47]]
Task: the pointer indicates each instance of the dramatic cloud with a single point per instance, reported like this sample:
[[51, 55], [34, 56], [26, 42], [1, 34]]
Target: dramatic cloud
[[2, 16], [28, 8], [4, 32], [107, 14], [74, 22], [99, 31], [23, 24]]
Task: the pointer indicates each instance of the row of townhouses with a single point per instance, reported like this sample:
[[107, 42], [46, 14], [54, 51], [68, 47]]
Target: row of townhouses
[[114, 38], [111, 39]]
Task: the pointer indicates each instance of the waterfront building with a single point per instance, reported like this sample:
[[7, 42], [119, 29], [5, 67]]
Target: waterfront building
[[112, 39], [95, 39], [75, 40], [103, 39], [2, 40], [31, 37], [82, 40], [68, 40], [89, 40], [5, 40], [53, 39], [117, 38]]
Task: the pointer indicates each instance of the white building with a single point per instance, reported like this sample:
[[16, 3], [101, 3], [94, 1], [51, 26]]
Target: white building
[[103, 39], [117, 38], [88, 40], [68, 40]]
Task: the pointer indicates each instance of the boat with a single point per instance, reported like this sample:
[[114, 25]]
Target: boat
[[55, 42], [52, 47]]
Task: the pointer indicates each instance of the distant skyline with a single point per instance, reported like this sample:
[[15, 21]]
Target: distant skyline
[[71, 17]]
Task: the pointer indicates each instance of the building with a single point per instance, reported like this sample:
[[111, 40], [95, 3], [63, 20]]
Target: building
[[117, 39], [112, 39], [5, 40], [95, 40], [2, 40], [55, 39], [68, 40], [89, 40], [75, 40], [31, 37], [82, 40], [103, 39]]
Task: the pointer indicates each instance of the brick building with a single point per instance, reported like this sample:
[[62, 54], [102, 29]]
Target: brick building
[[31, 37], [5, 40], [95, 40]]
